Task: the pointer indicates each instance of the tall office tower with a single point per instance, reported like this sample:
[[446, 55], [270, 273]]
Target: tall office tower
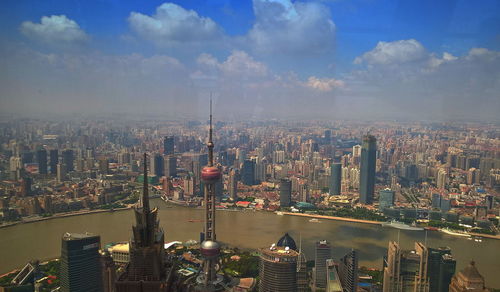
[[41, 158], [68, 159], [278, 269], [348, 271], [80, 263], [386, 199], [468, 280], [171, 166], [208, 279], [368, 161], [287, 241], [168, 145], [61, 173], [232, 184], [336, 179], [323, 252], [157, 165], [103, 165], [54, 160], [248, 172], [328, 136], [422, 276], [26, 186], [285, 192], [440, 268], [406, 271], [108, 270], [147, 269]]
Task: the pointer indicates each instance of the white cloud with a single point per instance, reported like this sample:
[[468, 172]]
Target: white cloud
[[285, 27], [397, 52], [238, 64], [55, 30], [324, 84], [414, 82], [172, 24]]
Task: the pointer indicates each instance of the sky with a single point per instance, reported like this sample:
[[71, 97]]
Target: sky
[[260, 59]]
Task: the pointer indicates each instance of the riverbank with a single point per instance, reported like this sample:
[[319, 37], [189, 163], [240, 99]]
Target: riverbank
[[63, 215], [334, 218]]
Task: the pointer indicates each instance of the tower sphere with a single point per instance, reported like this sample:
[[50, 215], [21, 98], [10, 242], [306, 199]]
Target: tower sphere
[[210, 174], [210, 248]]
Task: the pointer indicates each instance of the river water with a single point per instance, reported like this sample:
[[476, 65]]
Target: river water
[[246, 229]]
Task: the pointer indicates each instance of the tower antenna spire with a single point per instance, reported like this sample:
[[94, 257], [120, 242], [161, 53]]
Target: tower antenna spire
[[145, 189], [210, 143]]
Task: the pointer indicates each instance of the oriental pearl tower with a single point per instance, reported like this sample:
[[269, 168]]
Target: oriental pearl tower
[[208, 279]]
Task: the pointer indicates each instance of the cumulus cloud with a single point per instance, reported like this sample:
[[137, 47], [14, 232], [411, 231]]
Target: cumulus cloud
[[324, 84], [55, 30], [403, 75], [396, 52], [286, 27], [171, 24]]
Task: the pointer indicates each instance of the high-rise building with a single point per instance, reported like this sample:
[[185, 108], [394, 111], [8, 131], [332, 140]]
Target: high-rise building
[[441, 268], [368, 163], [278, 269], [404, 270], [333, 282], [285, 192], [336, 179], [323, 251], [68, 159], [248, 172], [54, 160], [157, 165], [171, 166], [468, 280], [168, 145], [41, 158], [26, 186], [147, 270], [80, 263], [386, 199], [232, 184], [108, 270], [348, 271], [61, 173]]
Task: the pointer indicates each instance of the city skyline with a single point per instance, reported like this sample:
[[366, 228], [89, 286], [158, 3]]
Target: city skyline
[[316, 59]]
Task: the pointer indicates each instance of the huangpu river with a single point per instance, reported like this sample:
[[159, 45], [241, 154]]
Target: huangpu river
[[245, 229]]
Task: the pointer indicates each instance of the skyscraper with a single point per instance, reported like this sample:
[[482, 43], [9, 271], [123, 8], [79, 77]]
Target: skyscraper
[[404, 270], [278, 269], [168, 145], [248, 172], [441, 268], [336, 180], [367, 177], [468, 280], [170, 166], [147, 270], [68, 159], [348, 271], [386, 199], [41, 158], [157, 165], [80, 263], [285, 192], [323, 252], [232, 184], [54, 160]]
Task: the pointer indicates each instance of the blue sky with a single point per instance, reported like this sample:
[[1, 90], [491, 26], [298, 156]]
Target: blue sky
[[372, 58]]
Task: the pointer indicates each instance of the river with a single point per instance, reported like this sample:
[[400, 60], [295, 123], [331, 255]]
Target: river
[[246, 229]]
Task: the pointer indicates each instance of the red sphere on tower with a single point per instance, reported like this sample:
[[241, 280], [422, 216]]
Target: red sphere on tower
[[210, 174]]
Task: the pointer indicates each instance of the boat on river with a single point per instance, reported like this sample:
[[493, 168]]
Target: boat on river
[[455, 233], [402, 226]]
